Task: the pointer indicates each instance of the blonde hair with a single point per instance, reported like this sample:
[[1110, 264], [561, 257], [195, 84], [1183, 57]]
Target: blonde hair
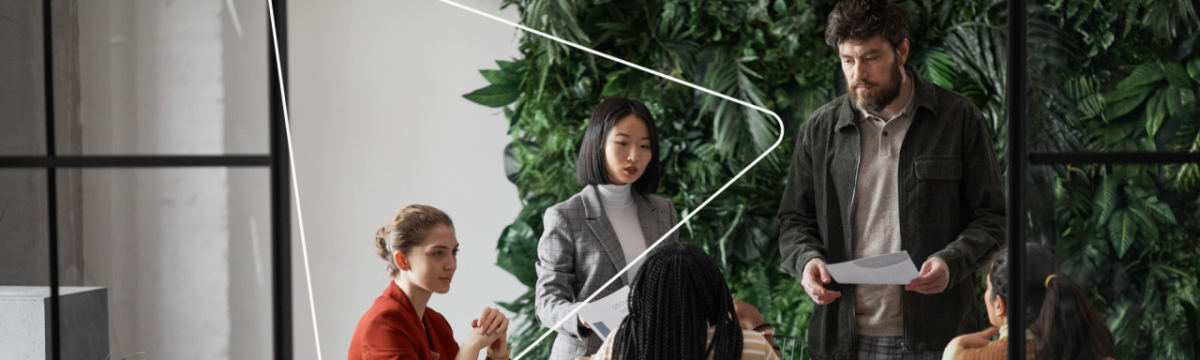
[[407, 229]]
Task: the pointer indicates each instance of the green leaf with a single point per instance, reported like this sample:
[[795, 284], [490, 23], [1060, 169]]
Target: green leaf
[[1144, 74], [1105, 201], [499, 77], [1176, 75], [935, 65], [1121, 230], [1156, 112], [518, 252], [1122, 101], [1145, 223], [507, 65], [1193, 69], [1149, 203], [495, 95]]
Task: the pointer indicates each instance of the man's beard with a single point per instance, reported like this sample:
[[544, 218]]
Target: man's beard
[[879, 96]]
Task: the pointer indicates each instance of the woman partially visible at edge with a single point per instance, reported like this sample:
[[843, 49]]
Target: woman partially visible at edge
[[422, 254], [1062, 323], [597, 232]]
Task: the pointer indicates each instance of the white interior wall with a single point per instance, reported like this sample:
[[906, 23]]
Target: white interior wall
[[379, 123]]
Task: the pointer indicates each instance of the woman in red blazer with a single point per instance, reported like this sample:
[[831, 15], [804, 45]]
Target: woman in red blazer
[[421, 250]]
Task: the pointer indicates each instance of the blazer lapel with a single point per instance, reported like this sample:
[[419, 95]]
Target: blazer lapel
[[602, 228], [648, 217]]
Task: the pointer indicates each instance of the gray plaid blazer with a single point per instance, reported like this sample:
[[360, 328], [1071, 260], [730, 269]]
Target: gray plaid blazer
[[578, 253]]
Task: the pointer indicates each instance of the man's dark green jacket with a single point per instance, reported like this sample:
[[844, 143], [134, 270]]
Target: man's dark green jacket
[[951, 201]]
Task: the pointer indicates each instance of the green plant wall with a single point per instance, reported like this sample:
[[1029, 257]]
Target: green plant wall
[[1105, 76]]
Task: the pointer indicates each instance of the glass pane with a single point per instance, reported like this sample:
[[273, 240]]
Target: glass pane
[[1107, 88], [172, 77], [22, 87], [1130, 247], [23, 228], [24, 263], [185, 257]]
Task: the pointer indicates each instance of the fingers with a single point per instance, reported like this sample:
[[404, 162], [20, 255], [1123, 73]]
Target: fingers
[[488, 321], [813, 286], [503, 330], [932, 287], [824, 273], [497, 321]]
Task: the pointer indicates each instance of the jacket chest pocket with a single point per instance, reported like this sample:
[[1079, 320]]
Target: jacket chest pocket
[[938, 190]]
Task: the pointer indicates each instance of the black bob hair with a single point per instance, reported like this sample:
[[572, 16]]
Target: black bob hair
[[590, 169]]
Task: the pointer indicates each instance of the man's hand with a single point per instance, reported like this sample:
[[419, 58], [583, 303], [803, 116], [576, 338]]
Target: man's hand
[[814, 279], [935, 275]]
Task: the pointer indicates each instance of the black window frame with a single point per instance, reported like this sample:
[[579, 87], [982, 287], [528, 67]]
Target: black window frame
[[1020, 160], [277, 160]]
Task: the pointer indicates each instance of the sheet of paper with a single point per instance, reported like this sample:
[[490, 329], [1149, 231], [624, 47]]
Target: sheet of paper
[[887, 269], [605, 314]]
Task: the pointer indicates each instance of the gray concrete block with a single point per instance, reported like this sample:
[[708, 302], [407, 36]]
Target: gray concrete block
[[24, 322]]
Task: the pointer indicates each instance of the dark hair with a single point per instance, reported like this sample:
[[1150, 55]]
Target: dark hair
[[590, 169], [676, 295], [1059, 314], [863, 19], [405, 230]]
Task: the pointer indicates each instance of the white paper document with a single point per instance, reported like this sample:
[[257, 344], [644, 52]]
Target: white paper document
[[605, 315], [887, 269]]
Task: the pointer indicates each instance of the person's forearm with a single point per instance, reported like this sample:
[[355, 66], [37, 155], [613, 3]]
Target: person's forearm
[[501, 354], [465, 353]]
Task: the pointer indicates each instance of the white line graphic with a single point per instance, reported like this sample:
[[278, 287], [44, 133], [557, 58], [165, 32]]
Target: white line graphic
[[664, 76], [287, 123]]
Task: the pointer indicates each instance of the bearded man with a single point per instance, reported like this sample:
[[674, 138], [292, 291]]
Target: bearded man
[[898, 163]]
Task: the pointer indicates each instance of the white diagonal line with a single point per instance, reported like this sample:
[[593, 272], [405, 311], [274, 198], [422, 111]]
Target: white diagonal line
[[287, 123], [690, 214]]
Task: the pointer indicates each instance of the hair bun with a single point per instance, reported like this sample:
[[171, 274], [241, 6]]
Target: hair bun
[[381, 243]]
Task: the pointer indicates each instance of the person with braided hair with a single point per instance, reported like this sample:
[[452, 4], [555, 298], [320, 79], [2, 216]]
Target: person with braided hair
[[1062, 323], [680, 308], [592, 236], [421, 251]]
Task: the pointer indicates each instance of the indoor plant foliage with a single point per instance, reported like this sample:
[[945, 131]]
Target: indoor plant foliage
[[1105, 76]]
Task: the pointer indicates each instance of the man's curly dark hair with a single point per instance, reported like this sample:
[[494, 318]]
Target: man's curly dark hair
[[863, 19]]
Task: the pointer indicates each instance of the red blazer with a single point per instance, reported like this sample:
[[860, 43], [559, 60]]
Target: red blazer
[[391, 330]]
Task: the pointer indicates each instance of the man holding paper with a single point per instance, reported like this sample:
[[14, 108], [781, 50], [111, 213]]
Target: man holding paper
[[897, 164]]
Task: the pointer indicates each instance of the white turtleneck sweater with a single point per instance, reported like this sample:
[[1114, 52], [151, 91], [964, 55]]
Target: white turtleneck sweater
[[622, 214]]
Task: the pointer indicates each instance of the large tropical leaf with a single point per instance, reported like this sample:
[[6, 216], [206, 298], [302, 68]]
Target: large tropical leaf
[[1105, 200], [934, 64], [1121, 231], [495, 95], [518, 247], [1156, 112], [1149, 204], [1176, 74]]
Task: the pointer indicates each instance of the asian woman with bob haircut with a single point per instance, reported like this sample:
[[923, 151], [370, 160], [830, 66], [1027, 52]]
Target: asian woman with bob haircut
[[597, 232]]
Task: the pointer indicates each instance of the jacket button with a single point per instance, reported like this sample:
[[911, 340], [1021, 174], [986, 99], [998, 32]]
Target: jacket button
[[885, 133]]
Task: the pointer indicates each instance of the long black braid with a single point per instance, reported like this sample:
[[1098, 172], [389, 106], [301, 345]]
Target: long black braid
[[676, 296]]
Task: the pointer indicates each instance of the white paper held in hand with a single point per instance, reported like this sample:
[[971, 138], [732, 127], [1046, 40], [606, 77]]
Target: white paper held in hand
[[888, 269], [605, 315]]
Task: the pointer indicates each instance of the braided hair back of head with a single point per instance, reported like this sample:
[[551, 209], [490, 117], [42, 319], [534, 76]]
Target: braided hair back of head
[[676, 296]]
